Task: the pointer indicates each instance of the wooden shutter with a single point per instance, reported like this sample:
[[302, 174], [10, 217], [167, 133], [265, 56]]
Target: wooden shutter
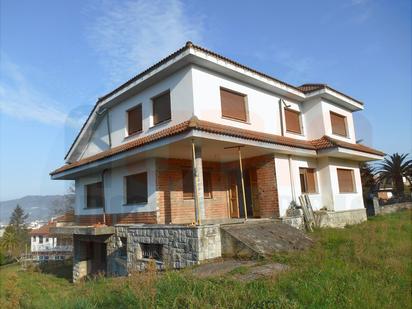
[[187, 175], [136, 188], [307, 180], [207, 184], [188, 186], [338, 124], [94, 195], [161, 108], [292, 119], [346, 180], [134, 119], [233, 105]]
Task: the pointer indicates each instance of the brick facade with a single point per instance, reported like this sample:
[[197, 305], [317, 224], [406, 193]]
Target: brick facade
[[173, 208]]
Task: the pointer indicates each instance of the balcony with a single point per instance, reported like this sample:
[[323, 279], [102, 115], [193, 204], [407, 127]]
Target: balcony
[[51, 248]]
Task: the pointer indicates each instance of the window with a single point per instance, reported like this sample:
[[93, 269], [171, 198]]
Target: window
[[188, 186], [136, 188], [161, 108], [134, 120], [307, 180], [152, 251], [40, 239], [292, 119], [346, 180], [95, 195], [338, 124], [233, 104]]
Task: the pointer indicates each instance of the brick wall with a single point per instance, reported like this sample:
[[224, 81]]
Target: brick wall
[[172, 207]]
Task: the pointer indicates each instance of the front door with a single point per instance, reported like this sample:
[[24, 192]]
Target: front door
[[233, 196]]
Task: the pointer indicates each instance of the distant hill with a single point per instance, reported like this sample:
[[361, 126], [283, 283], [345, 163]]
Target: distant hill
[[39, 207]]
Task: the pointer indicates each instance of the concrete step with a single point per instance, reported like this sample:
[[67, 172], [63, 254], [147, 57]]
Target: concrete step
[[260, 239]]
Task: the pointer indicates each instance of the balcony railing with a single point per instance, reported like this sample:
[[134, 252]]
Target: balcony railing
[[50, 248]]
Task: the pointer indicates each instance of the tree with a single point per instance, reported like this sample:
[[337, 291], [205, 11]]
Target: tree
[[18, 218], [15, 237], [393, 169], [369, 183]]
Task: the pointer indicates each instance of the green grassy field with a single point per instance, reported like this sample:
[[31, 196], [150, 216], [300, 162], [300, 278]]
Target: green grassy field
[[368, 265]]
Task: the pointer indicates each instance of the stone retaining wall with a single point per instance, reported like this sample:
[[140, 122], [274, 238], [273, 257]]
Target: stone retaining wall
[[339, 219], [387, 209]]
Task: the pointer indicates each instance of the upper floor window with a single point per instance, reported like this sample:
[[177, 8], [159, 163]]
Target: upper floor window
[[346, 180], [188, 186], [94, 195], [233, 105], [161, 108], [338, 124], [292, 119], [40, 239], [307, 180], [136, 188], [134, 120]]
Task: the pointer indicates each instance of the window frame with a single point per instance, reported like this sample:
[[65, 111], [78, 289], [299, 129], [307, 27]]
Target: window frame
[[128, 133], [152, 99], [305, 175], [353, 180], [87, 195], [206, 173], [126, 201], [344, 121], [245, 102], [299, 113]]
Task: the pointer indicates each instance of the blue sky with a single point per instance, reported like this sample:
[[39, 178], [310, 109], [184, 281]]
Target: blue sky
[[57, 57]]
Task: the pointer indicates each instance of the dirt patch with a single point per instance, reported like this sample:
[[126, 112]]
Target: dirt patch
[[220, 268]]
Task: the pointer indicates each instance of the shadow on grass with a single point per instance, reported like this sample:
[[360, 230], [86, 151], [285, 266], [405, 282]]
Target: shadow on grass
[[60, 269]]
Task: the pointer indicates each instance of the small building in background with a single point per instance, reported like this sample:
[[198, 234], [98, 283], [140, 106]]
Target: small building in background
[[45, 246]]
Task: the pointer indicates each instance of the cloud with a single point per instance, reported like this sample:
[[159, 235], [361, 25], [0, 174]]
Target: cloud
[[19, 98], [132, 35]]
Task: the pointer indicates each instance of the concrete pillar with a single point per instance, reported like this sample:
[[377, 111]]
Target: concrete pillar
[[198, 175]]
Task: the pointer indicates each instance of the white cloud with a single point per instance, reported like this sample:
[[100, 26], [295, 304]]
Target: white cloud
[[132, 35], [21, 99]]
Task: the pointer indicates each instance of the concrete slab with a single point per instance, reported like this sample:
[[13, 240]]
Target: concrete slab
[[83, 230]]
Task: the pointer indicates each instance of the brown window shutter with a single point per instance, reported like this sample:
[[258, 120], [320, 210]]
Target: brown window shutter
[[187, 175], [161, 108], [338, 124], [207, 184], [134, 119], [307, 180], [346, 180], [233, 105], [95, 195], [188, 186], [136, 188], [292, 119]]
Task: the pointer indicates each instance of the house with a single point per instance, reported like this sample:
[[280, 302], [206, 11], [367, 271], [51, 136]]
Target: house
[[46, 246], [197, 140]]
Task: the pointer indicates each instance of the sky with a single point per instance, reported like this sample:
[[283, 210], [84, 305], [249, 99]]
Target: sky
[[57, 57]]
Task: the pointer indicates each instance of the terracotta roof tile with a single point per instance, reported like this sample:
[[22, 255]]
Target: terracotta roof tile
[[206, 126], [43, 230], [308, 88]]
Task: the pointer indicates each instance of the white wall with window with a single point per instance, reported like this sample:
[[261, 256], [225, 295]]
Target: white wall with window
[[126, 189]]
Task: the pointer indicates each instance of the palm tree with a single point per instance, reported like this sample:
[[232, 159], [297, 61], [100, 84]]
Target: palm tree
[[393, 169]]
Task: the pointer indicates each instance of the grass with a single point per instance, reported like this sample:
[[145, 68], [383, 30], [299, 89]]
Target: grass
[[368, 265]]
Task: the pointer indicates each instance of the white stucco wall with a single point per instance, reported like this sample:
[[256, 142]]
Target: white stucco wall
[[181, 97], [328, 107], [114, 189], [328, 195]]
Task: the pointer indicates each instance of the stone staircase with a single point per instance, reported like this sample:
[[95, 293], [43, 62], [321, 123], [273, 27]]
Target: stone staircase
[[261, 238]]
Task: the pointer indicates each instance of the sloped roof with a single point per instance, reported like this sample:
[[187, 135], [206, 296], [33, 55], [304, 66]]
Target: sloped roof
[[43, 230], [306, 88], [195, 124]]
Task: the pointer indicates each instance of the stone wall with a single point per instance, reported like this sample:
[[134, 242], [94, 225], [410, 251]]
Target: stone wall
[[339, 219], [387, 209], [182, 246]]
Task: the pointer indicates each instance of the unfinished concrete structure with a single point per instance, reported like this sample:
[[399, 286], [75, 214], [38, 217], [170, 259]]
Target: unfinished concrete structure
[[197, 140]]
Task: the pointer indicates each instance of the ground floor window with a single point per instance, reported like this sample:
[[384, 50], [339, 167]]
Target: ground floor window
[[346, 180], [136, 188], [152, 251], [188, 187], [307, 180]]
